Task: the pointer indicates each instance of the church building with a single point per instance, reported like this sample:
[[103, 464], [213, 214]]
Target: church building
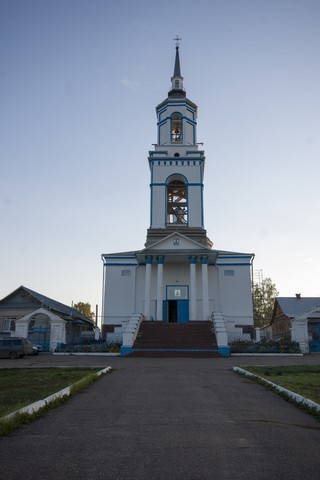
[[178, 277]]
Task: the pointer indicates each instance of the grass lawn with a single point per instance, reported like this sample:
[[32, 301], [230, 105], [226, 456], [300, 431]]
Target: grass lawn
[[304, 380], [21, 386]]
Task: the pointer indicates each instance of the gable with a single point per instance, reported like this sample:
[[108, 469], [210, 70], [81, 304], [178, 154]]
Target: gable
[[20, 298], [176, 241], [23, 298], [294, 306]]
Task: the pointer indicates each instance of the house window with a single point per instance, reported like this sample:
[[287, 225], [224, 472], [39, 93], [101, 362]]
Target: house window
[[177, 211], [9, 324], [229, 273], [125, 273], [176, 128]]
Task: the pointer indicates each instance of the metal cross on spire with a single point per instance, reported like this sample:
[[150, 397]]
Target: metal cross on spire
[[177, 40]]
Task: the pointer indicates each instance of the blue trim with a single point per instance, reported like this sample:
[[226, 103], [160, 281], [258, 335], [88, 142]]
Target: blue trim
[[192, 111], [233, 264], [193, 259], [120, 264], [162, 122], [163, 109], [175, 350], [235, 256], [125, 350], [224, 351], [197, 161], [165, 184], [201, 195], [119, 256]]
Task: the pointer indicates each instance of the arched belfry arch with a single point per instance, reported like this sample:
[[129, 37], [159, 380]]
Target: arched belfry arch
[[176, 128], [176, 200]]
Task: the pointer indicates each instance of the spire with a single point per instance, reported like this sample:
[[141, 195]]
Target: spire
[[177, 80], [177, 72]]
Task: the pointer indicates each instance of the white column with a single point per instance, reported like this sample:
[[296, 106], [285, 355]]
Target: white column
[[205, 296], [147, 289], [160, 261], [193, 288]]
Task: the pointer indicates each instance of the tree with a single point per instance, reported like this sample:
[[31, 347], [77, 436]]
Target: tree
[[85, 309], [264, 294]]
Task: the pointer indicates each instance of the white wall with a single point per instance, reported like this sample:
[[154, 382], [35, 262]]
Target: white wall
[[119, 301], [235, 295], [228, 294]]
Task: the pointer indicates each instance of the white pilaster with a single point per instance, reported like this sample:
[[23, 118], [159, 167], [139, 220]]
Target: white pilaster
[[160, 261], [193, 288], [205, 296], [147, 290]]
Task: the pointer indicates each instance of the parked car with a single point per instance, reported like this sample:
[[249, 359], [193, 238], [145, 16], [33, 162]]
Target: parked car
[[39, 347], [15, 347], [35, 350]]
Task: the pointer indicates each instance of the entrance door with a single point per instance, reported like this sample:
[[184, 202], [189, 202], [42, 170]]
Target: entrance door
[[183, 311], [172, 311], [176, 307], [176, 311]]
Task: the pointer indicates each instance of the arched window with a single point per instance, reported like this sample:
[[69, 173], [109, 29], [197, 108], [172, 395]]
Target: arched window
[[176, 128], [177, 209]]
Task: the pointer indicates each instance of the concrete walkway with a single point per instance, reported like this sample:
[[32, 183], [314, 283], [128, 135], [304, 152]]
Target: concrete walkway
[[176, 419]]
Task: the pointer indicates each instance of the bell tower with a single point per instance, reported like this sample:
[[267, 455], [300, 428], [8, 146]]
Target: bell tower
[[177, 168]]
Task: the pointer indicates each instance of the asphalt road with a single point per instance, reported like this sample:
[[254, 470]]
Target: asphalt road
[[175, 419]]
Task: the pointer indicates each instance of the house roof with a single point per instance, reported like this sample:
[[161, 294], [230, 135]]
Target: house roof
[[50, 304], [294, 306]]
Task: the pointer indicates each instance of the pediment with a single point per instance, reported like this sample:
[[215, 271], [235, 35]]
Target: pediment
[[176, 241]]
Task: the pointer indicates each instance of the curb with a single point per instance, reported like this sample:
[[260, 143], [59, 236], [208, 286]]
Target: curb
[[294, 396], [266, 354], [34, 407], [93, 354]]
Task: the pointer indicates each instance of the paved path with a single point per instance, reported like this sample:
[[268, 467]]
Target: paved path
[[175, 419]]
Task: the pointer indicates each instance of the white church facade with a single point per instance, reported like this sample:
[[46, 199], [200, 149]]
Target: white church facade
[[178, 277]]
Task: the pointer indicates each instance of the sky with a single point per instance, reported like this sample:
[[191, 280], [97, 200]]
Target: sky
[[79, 83]]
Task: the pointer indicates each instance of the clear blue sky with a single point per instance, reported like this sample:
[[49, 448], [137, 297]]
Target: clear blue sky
[[79, 82]]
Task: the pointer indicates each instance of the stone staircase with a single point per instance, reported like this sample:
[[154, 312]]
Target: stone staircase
[[160, 339]]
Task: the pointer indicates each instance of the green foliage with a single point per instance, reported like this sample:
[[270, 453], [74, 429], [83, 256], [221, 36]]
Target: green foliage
[[264, 294], [281, 346], [303, 380], [85, 309], [22, 386], [8, 425], [94, 346]]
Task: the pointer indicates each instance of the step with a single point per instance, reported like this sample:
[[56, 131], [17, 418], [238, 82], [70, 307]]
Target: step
[[196, 337], [174, 354]]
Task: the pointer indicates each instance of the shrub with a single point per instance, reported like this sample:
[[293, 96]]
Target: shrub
[[271, 346], [88, 347]]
